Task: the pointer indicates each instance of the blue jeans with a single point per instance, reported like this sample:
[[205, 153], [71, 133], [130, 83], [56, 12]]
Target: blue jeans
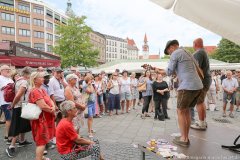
[[6, 112]]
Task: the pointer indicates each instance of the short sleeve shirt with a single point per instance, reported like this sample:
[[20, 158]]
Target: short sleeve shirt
[[3, 82], [125, 85], [229, 84], [57, 88], [65, 136], [22, 83]]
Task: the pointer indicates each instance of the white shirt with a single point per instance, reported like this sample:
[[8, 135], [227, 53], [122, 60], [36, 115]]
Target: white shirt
[[229, 84], [57, 88], [115, 89], [125, 85], [3, 82]]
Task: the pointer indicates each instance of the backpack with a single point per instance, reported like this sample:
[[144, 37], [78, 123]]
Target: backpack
[[9, 92]]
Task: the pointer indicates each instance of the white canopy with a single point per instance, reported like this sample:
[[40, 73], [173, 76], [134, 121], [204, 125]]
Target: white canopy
[[135, 65], [219, 16]]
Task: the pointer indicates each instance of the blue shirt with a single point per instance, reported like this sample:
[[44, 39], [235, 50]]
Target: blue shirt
[[182, 64], [149, 90], [47, 89]]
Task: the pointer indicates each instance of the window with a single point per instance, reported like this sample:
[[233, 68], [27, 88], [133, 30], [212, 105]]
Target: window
[[112, 43], [24, 7], [107, 48], [57, 17], [110, 55], [38, 34], [115, 55], [38, 22], [64, 21], [23, 19], [7, 16], [49, 13], [49, 37], [38, 10], [8, 30], [39, 46], [49, 25], [115, 49], [24, 32], [115, 43], [57, 38], [120, 50], [49, 48], [107, 42], [28, 44], [7, 3]]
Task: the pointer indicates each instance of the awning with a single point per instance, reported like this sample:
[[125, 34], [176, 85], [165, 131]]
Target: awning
[[23, 61], [219, 16]]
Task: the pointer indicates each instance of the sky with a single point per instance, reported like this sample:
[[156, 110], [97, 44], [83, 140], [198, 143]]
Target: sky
[[134, 18]]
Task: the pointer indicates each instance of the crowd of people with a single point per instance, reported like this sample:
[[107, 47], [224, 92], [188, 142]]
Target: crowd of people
[[67, 100]]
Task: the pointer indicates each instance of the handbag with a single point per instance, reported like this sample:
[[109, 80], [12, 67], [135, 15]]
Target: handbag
[[142, 87], [30, 111]]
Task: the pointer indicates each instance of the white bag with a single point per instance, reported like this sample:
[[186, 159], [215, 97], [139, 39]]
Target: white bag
[[30, 111]]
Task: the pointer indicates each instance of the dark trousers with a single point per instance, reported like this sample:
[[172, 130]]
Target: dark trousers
[[146, 101], [161, 106]]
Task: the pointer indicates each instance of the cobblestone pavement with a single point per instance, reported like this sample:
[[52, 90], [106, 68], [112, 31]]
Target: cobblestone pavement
[[118, 134]]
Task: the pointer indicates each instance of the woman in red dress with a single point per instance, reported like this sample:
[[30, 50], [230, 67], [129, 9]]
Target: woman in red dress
[[43, 129]]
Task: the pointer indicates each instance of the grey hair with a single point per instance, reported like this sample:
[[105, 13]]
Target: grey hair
[[70, 77], [65, 106]]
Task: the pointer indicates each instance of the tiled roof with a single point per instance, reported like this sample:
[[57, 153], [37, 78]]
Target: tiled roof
[[210, 49]]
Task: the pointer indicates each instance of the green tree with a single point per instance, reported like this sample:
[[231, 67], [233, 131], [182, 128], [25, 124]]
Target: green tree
[[227, 51], [74, 46]]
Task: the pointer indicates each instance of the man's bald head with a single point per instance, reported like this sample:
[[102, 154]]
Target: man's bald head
[[198, 43]]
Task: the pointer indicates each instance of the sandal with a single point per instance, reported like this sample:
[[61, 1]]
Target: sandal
[[90, 135]]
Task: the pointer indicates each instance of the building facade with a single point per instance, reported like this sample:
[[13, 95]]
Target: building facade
[[116, 48], [132, 49], [30, 22], [99, 42]]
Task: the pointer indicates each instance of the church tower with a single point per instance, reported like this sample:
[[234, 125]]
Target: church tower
[[145, 48], [69, 12]]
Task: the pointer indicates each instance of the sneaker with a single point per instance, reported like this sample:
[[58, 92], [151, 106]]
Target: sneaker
[[142, 116], [177, 141], [10, 152], [9, 141], [5, 139], [90, 135], [45, 152], [238, 110], [231, 115], [198, 127], [224, 115], [50, 145], [2, 122], [25, 143]]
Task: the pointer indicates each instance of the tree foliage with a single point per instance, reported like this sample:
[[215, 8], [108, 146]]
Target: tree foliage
[[74, 44], [227, 51]]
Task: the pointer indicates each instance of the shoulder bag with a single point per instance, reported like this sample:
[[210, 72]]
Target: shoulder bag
[[198, 69], [142, 87], [30, 111]]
